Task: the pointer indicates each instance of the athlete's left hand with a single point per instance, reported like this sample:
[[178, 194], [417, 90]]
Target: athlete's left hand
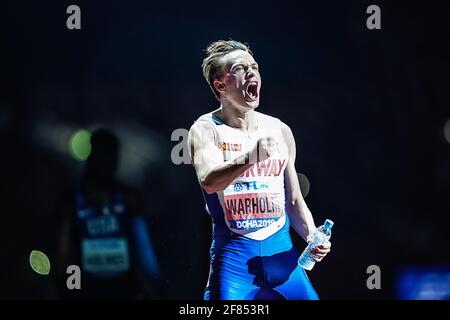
[[321, 251]]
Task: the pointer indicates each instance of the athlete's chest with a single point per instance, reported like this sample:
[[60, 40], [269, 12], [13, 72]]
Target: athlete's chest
[[234, 142]]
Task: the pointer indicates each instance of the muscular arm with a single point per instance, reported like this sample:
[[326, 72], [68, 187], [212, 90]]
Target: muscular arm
[[299, 213], [213, 173]]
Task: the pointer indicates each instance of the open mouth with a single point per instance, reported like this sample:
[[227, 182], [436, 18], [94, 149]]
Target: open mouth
[[251, 91]]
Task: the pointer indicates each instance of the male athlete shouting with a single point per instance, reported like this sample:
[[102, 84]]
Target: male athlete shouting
[[244, 162]]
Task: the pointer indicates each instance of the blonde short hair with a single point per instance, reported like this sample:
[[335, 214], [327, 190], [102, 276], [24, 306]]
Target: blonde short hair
[[213, 62]]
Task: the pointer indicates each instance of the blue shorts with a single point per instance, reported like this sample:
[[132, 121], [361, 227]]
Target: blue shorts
[[247, 269]]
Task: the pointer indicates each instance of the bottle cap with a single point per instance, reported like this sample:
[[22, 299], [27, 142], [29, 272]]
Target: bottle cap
[[328, 224]]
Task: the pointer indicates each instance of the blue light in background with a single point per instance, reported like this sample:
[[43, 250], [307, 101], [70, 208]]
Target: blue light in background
[[423, 283]]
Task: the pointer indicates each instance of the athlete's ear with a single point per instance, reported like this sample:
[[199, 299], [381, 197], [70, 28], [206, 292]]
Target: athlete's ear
[[219, 86]]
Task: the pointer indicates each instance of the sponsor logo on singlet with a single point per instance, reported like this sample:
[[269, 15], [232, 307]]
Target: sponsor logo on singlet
[[225, 146], [249, 185]]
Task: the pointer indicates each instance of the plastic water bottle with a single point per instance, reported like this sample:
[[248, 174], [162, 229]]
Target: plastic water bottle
[[320, 236]]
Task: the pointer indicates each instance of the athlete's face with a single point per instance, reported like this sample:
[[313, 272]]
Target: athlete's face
[[241, 81]]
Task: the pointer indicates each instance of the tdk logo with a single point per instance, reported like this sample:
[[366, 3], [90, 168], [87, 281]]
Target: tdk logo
[[249, 185]]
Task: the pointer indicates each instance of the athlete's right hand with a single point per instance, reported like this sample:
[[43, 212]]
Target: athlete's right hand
[[319, 252], [264, 148]]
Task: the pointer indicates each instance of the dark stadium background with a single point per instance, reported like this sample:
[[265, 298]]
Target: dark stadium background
[[368, 110]]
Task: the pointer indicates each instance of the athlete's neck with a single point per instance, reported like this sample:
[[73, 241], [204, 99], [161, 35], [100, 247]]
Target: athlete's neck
[[235, 117]]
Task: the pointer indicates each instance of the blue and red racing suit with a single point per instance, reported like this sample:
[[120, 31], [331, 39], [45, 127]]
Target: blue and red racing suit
[[252, 255]]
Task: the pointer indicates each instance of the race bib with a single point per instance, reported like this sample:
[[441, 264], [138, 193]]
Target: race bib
[[251, 211], [105, 256]]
